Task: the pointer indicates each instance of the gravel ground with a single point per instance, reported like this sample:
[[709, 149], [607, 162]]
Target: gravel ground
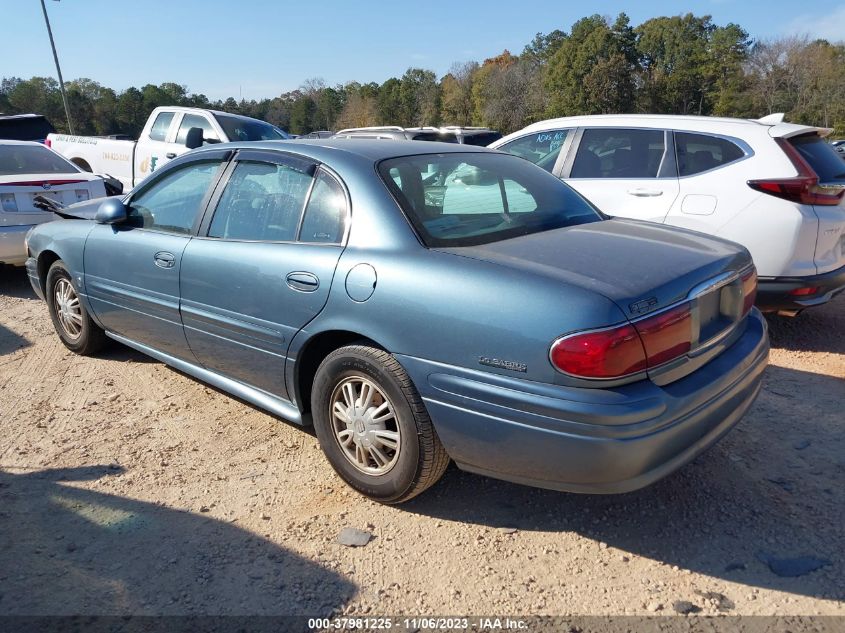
[[129, 488]]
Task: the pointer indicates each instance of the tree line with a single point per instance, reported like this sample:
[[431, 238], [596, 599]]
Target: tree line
[[681, 64]]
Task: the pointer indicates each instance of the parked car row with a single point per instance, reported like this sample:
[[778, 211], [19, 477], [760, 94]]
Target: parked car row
[[169, 132], [29, 170], [419, 303], [774, 187]]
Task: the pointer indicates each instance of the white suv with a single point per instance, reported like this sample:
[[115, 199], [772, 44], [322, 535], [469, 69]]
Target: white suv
[[776, 188]]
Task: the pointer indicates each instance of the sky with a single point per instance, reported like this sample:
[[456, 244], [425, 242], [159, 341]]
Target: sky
[[254, 49]]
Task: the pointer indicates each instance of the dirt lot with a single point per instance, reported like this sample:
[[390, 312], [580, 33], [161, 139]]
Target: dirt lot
[[127, 487]]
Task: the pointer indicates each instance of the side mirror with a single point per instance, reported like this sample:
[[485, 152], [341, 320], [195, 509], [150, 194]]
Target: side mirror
[[111, 211], [193, 138]]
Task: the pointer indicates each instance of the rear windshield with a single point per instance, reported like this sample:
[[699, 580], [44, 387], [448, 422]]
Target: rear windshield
[[824, 160], [442, 137], [466, 199], [25, 128], [245, 129], [32, 159], [484, 139]]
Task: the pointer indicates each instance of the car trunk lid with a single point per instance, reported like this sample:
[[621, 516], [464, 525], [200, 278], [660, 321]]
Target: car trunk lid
[[17, 195], [642, 267], [650, 272]]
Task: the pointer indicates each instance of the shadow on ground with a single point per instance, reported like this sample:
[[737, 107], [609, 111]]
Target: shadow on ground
[[11, 341], [65, 550], [772, 488], [820, 329], [15, 283]]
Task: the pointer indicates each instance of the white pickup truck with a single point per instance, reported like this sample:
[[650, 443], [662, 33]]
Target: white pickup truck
[[169, 132]]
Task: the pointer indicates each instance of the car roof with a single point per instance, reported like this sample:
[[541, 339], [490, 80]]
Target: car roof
[[8, 141], [682, 121], [21, 116], [372, 150]]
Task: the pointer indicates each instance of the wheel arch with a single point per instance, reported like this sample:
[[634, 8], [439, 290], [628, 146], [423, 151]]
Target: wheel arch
[[82, 164], [312, 353], [46, 258]]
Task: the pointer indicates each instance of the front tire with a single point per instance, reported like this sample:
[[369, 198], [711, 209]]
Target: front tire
[[71, 320], [373, 426]]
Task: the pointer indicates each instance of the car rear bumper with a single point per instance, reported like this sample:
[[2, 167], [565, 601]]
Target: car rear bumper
[[773, 293], [12, 246], [590, 440]]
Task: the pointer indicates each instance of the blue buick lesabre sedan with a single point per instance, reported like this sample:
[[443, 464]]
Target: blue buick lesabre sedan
[[419, 303]]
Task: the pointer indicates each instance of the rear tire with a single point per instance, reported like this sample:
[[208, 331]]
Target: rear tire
[[373, 426], [71, 320]]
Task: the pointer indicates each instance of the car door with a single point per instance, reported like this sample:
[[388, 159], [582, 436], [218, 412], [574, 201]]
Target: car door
[[708, 199], [132, 269], [263, 265], [626, 172], [152, 148]]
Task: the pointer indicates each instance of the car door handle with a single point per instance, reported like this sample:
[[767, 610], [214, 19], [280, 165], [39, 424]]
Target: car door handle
[[303, 282], [163, 259], [642, 192], [171, 154]]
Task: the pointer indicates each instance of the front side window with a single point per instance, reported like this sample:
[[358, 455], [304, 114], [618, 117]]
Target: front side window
[[619, 153], [325, 215], [701, 152], [172, 202], [465, 199], [158, 132], [261, 202], [541, 148], [192, 120]]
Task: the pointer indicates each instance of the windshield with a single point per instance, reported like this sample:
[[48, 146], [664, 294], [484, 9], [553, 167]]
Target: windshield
[[245, 129], [465, 199], [482, 139], [32, 159]]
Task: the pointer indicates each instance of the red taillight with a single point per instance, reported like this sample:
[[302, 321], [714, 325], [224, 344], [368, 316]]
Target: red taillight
[[749, 291], [627, 349], [803, 188], [804, 292], [666, 335], [40, 183], [603, 354], [48, 142]]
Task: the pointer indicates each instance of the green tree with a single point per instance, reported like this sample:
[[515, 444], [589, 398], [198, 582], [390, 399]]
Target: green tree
[[594, 68]]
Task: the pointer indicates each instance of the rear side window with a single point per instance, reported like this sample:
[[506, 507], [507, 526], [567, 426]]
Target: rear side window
[[702, 152], [261, 202], [619, 153], [158, 132], [824, 160], [192, 120], [325, 215], [541, 148]]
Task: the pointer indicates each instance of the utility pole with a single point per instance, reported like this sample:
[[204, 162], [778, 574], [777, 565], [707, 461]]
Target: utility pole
[[58, 68]]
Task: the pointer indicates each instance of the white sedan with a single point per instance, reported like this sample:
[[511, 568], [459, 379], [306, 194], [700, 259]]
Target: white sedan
[[28, 170]]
